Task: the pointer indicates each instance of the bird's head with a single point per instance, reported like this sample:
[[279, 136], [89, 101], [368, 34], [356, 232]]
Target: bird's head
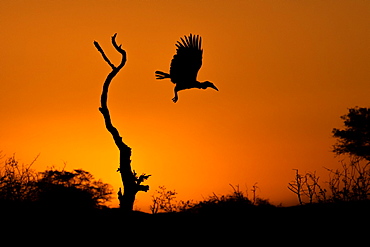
[[209, 84]]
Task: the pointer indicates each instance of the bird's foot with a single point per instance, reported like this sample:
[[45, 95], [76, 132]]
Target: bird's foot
[[175, 99]]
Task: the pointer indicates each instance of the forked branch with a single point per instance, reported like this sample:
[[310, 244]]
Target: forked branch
[[104, 96]]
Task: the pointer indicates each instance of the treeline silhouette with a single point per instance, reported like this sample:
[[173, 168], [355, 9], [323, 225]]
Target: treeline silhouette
[[54, 199], [23, 187]]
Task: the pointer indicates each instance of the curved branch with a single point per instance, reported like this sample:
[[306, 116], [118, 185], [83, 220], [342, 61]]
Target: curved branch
[[104, 96]]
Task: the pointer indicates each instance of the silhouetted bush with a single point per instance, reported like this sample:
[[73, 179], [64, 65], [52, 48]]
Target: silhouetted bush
[[72, 189], [22, 186], [235, 203], [165, 201], [307, 188], [351, 182], [18, 182]]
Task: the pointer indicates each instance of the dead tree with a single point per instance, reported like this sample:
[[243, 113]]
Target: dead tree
[[131, 182]]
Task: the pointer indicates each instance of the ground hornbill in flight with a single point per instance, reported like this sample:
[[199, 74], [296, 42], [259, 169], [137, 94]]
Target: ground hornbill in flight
[[185, 66]]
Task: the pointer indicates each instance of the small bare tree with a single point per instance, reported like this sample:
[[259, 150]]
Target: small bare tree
[[296, 186], [131, 182], [307, 187], [165, 201], [351, 182]]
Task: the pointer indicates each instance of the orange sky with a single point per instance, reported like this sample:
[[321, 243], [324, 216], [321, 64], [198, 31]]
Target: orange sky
[[286, 71]]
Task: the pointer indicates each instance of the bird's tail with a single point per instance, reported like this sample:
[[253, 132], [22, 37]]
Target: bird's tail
[[161, 75]]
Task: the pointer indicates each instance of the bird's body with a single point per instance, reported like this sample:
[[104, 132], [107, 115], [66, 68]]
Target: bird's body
[[185, 66]]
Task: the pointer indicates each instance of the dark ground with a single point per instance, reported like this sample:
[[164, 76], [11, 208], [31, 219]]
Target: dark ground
[[315, 224], [341, 223]]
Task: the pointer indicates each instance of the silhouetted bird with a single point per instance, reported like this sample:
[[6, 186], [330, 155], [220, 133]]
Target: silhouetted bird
[[185, 66]]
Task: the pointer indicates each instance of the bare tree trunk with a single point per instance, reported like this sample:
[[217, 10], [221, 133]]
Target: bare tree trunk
[[131, 183]]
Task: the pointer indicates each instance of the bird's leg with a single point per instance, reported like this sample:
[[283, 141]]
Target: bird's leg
[[176, 96]]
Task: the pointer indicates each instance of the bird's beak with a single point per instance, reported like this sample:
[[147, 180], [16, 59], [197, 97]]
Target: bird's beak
[[214, 87]]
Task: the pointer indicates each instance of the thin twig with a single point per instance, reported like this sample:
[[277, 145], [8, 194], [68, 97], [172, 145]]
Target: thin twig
[[103, 55]]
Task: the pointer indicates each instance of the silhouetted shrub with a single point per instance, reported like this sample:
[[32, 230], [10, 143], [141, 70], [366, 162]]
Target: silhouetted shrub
[[165, 201], [307, 188], [23, 186], [18, 182], [72, 189], [351, 182], [235, 203]]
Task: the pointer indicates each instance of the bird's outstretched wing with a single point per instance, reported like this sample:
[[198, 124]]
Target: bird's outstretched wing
[[187, 60]]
